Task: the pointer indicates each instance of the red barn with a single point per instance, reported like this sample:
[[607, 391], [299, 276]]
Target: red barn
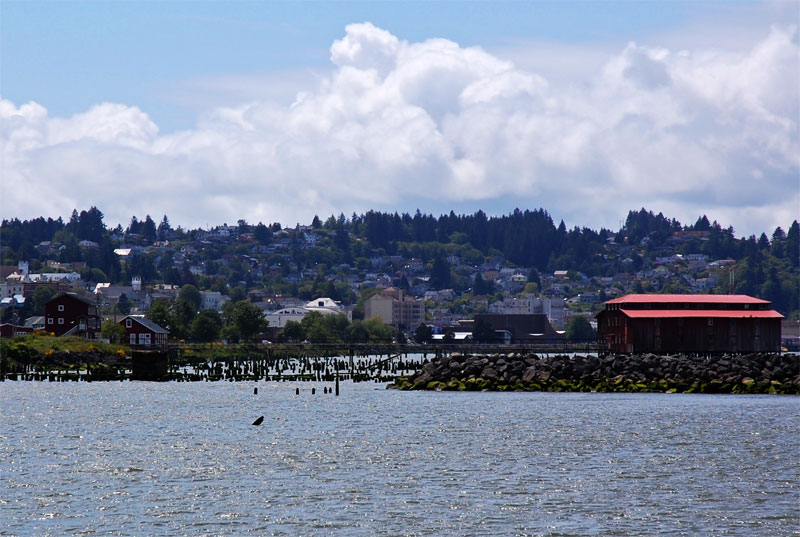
[[71, 314], [689, 324], [141, 332]]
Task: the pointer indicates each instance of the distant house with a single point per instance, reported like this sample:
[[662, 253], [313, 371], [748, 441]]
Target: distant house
[[212, 300], [9, 330], [36, 322], [142, 332], [71, 314]]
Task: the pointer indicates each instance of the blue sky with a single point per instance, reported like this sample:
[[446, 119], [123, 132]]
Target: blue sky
[[587, 109], [70, 55]]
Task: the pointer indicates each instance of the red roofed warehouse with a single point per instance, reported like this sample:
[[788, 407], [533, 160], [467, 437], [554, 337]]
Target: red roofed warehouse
[[689, 324]]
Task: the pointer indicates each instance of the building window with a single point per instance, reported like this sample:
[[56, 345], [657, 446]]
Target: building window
[[49, 320], [128, 323], [711, 322], [60, 320], [133, 339], [61, 307]]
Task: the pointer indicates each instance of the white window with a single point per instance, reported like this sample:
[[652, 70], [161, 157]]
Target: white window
[[61, 307], [60, 320], [49, 320], [144, 339], [133, 339], [128, 323]]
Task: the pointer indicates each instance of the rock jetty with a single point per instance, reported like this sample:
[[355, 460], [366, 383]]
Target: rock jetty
[[751, 373]]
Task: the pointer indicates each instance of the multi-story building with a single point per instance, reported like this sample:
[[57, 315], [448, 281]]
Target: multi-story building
[[392, 307], [71, 314]]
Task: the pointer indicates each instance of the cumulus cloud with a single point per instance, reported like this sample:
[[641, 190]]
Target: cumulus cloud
[[401, 125]]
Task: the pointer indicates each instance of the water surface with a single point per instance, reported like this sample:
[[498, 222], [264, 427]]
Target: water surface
[[183, 459]]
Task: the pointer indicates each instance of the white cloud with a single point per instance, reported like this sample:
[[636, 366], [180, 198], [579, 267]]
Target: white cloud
[[400, 125]]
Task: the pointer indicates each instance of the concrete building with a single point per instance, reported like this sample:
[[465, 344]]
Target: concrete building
[[392, 307], [553, 308], [324, 306]]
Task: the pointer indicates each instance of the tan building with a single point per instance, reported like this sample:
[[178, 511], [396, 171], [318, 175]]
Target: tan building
[[392, 307]]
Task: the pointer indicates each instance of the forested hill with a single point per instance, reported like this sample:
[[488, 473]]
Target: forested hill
[[767, 265]]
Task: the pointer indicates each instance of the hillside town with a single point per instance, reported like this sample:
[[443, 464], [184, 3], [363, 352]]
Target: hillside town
[[344, 267]]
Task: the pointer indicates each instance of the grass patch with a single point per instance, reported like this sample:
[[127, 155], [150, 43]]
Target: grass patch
[[47, 344]]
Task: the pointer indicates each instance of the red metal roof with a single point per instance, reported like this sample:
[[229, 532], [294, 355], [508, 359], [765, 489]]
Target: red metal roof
[[725, 314], [690, 299]]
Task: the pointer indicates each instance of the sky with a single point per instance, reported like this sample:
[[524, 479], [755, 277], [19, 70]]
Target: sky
[[211, 112]]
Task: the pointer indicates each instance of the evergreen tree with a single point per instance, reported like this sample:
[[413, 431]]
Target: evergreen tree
[[206, 326], [579, 329], [133, 227], [148, 229], [164, 229], [423, 334], [440, 273]]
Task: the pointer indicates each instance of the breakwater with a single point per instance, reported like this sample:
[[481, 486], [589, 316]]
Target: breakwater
[[751, 373]]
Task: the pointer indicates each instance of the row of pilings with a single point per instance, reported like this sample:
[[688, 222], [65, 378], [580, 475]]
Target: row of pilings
[[193, 364], [748, 373]]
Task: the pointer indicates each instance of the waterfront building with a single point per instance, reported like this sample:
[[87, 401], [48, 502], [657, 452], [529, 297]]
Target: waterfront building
[[71, 314], [698, 323], [142, 332]]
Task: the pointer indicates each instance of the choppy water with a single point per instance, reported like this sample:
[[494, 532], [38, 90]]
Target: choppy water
[[182, 459]]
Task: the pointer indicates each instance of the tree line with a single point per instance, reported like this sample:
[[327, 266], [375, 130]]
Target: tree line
[[767, 265]]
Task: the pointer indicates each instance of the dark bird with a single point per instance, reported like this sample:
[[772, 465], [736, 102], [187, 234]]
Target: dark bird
[[259, 421]]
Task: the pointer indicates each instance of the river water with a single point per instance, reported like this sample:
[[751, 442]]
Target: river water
[[173, 459]]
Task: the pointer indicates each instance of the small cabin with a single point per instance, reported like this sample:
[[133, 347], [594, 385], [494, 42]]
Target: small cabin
[[142, 332]]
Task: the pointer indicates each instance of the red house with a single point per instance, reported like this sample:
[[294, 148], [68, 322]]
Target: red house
[[71, 314], [689, 324], [141, 332]]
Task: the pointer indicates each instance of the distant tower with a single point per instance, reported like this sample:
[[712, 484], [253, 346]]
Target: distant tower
[[136, 283], [23, 268]]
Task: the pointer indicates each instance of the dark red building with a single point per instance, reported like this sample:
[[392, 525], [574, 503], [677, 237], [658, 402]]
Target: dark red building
[[9, 330], [71, 314], [142, 332], [689, 324], [523, 328]]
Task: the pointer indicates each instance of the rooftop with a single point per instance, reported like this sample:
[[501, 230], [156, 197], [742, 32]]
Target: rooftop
[[686, 298]]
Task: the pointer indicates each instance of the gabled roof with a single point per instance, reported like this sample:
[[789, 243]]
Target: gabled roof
[[74, 296], [147, 323], [686, 299]]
